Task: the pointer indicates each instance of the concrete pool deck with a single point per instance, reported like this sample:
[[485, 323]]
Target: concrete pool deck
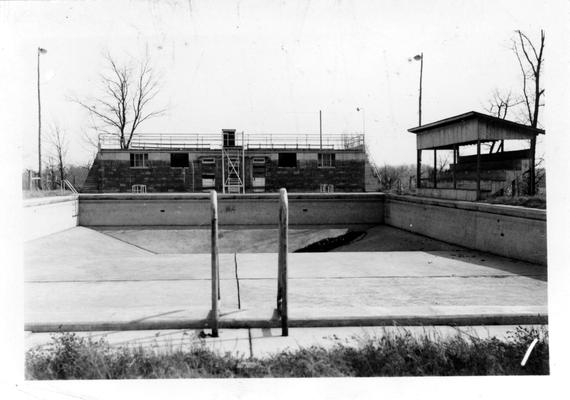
[[81, 279]]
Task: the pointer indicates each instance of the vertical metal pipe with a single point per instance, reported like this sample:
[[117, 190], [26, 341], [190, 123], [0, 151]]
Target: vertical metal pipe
[[214, 315], [282, 261], [419, 169], [39, 127]]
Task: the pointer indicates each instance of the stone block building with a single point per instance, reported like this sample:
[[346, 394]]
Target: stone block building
[[231, 163]]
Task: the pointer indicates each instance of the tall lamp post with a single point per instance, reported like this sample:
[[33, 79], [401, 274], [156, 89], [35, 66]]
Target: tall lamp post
[[40, 51], [363, 119], [420, 58]]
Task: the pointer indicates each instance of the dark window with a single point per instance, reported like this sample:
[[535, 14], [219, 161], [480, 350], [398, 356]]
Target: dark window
[[326, 160], [287, 160], [139, 160], [179, 160]]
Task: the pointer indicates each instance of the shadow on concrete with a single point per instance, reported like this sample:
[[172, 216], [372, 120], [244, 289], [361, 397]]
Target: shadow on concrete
[[488, 260]]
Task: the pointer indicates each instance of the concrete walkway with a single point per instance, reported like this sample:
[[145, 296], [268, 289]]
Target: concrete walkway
[[81, 279]]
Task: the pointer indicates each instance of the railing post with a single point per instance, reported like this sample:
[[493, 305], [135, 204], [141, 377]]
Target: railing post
[[214, 314], [282, 261]]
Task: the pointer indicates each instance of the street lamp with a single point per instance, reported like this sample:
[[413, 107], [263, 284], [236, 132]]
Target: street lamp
[[363, 119], [40, 51], [420, 58]]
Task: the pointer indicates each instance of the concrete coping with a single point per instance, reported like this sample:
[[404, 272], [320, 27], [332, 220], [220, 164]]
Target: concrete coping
[[41, 201], [500, 209], [248, 196]]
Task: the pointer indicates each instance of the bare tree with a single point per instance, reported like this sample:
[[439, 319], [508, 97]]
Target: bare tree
[[60, 144], [531, 60], [500, 103], [125, 100]]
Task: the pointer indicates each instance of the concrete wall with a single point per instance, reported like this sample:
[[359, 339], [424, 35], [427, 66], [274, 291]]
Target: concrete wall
[[249, 209], [44, 216], [508, 231]]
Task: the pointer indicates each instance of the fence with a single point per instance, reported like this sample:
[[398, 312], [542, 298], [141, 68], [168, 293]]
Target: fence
[[199, 141]]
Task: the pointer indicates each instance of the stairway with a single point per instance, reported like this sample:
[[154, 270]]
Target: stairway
[[91, 184]]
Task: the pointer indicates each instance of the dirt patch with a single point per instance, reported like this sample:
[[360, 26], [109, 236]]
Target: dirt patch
[[332, 243]]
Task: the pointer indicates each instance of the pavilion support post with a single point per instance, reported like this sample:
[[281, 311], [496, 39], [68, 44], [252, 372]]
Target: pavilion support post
[[434, 168], [454, 166], [419, 169], [478, 169]]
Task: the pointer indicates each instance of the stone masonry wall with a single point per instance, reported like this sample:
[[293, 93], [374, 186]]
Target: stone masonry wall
[[117, 176]]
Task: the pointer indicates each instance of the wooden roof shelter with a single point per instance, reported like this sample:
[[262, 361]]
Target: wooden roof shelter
[[468, 129]]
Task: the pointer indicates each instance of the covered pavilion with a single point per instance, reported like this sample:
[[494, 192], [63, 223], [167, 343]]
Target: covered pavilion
[[472, 128]]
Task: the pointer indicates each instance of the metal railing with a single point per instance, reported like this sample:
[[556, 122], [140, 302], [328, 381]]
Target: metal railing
[[70, 186], [212, 141]]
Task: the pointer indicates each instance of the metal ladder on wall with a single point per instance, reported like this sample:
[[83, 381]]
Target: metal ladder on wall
[[233, 167]]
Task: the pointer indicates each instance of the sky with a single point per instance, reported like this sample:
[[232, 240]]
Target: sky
[[266, 66]]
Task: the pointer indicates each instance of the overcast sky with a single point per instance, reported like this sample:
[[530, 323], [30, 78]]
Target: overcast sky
[[268, 66]]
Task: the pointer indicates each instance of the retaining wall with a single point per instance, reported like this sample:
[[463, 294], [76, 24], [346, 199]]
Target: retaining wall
[[508, 231], [193, 209], [43, 216]]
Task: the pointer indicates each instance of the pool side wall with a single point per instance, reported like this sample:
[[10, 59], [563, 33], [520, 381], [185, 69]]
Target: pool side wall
[[250, 209], [509, 231], [47, 215]]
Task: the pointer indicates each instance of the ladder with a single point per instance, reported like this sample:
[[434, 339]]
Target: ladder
[[232, 164]]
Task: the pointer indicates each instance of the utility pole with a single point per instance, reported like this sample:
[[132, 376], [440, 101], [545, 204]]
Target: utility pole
[[421, 76], [40, 51], [420, 58]]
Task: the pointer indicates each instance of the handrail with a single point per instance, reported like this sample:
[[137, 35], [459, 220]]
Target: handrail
[[215, 275], [70, 186], [282, 307]]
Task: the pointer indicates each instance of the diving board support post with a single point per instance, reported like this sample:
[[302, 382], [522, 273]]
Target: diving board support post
[[215, 313], [282, 262]]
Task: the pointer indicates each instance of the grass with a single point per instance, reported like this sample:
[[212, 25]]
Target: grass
[[402, 354], [32, 194], [522, 201]]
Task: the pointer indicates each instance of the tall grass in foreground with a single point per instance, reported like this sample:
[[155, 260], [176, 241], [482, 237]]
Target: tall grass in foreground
[[72, 357]]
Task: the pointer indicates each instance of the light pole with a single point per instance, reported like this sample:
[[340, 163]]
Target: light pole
[[363, 119], [320, 129], [420, 58], [40, 51]]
